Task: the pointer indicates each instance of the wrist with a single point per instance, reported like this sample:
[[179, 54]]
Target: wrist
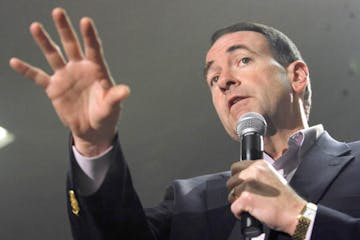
[[304, 221], [294, 220], [92, 148]]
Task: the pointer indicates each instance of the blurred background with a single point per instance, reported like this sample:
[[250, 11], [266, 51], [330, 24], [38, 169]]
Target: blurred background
[[168, 128]]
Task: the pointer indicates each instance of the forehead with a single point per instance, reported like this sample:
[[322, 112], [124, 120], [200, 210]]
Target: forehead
[[254, 41]]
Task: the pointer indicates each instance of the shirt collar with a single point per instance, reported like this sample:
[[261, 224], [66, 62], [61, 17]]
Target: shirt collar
[[299, 143]]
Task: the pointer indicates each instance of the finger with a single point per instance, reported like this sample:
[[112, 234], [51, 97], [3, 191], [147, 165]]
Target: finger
[[232, 196], [37, 75], [92, 42], [240, 166], [67, 34], [48, 47], [236, 192], [233, 181], [117, 94], [241, 204]]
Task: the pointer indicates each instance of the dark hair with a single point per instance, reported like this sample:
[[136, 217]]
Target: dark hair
[[283, 48]]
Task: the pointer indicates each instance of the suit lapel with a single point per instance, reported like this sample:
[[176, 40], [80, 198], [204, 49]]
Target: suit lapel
[[319, 167]]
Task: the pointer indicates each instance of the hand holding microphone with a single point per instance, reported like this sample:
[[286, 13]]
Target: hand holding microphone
[[251, 128], [258, 194]]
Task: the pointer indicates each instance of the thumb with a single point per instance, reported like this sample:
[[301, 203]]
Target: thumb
[[117, 94]]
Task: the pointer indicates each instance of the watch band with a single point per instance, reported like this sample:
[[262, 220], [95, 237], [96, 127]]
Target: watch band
[[304, 221]]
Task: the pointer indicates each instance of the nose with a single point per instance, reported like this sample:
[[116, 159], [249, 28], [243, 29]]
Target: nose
[[227, 81]]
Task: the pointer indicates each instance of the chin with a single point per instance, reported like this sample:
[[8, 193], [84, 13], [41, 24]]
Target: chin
[[239, 114], [233, 134], [235, 137]]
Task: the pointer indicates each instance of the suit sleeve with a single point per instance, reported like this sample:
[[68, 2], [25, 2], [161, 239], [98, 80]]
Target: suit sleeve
[[332, 224], [342, 223], [114, 211]]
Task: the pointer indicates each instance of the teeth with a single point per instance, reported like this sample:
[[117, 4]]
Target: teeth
[[235, 100]]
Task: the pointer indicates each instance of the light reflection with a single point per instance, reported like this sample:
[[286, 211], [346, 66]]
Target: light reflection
[[5, 137]]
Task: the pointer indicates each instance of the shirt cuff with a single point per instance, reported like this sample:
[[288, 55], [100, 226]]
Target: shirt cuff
[[311, 216], [92, 170]]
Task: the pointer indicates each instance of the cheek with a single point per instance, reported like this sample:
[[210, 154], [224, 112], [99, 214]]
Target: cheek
[[218, 106], [275, 96]]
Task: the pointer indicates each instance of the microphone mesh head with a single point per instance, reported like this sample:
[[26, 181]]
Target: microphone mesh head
[[251, 122]]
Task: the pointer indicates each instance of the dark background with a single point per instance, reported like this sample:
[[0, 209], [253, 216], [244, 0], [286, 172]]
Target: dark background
[[168, 128]]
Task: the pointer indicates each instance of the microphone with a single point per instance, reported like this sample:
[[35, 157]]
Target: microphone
[[251, 128]]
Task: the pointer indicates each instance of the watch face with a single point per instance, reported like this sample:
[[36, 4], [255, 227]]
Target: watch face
[[310, 211]]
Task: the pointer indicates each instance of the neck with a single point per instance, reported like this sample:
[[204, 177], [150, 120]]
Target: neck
[[277, 144], [277, 138]]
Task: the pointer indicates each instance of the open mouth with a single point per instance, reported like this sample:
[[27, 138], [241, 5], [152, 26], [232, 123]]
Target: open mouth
[[234, 100]]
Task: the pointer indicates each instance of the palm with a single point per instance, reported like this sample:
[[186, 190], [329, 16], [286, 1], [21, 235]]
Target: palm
[[78, 96], [81, 89]]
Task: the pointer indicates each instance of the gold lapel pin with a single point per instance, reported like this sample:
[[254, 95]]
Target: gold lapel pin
[[74, 203]]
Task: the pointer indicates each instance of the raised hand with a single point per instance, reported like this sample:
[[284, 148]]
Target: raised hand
[[81, 88]]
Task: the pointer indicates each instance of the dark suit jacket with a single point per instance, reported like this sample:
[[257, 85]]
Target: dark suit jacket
[[197, 208]]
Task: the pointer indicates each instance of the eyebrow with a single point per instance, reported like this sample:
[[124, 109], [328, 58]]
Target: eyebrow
[[239, 46], [229, 50]]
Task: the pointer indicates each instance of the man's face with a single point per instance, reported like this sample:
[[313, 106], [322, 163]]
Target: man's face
[[244, 77]]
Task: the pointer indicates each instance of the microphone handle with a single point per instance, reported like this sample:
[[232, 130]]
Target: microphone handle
[[252, 148]]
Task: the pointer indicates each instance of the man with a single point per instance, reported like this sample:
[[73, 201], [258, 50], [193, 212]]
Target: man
[[249, 68]]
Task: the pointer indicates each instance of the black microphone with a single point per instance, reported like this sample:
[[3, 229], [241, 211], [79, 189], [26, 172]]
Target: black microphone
[[251, 128]]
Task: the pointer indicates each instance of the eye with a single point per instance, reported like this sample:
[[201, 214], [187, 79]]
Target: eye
[[244, 60], [213, 80]]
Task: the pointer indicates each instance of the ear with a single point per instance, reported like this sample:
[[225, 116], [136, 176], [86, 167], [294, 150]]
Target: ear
[[298, 74]]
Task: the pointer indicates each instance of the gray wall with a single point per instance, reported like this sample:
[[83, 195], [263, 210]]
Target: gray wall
[[168, 128]]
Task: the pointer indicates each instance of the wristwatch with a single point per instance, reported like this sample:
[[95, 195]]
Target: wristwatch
[[304, 221]]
